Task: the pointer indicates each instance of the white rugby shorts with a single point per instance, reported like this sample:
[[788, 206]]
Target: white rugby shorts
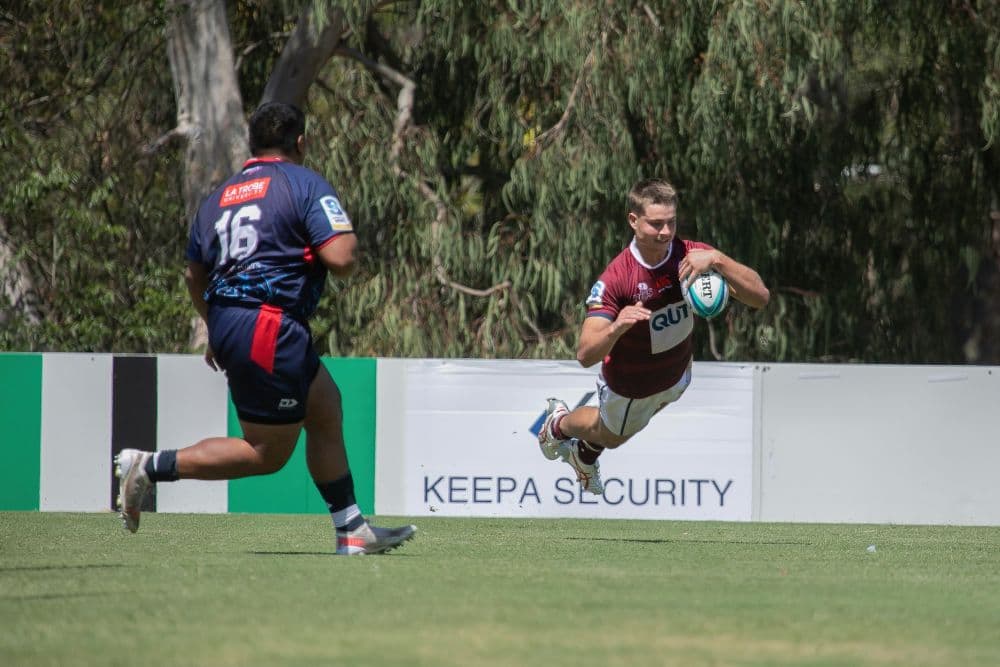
[[628, 416]]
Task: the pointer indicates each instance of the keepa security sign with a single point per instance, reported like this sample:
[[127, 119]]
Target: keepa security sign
[[461, 490], [464, 443]]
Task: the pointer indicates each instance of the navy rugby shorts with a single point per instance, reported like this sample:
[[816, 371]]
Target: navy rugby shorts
[[269, 360]]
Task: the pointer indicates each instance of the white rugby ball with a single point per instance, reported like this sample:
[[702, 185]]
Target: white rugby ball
[[707, 294]]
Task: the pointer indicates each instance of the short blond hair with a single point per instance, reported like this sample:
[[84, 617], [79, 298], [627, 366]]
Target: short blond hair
[[650, 191]]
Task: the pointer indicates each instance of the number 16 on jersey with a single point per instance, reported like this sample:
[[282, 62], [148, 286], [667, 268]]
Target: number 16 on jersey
[[237, 235]]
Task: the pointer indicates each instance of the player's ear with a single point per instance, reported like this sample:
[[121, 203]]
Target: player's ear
[[300, 145]]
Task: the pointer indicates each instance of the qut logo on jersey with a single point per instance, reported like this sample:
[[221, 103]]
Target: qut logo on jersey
[[670, 315]]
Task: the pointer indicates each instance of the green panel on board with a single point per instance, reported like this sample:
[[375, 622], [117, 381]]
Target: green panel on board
[[21, 416], [291, 490]]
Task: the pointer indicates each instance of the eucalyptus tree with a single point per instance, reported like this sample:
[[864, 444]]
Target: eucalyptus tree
[[846, 150], [88, 222]]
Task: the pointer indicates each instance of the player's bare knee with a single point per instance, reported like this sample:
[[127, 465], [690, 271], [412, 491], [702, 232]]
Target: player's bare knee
[[270, 457], [268, 464]]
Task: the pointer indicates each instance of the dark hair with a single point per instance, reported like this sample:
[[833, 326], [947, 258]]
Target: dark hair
[[276, 125], [650, 191]]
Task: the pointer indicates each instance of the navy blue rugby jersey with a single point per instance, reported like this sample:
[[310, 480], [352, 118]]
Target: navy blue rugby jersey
[[258, 235]]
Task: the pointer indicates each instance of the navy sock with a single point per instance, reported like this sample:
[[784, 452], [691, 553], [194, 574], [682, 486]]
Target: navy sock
[[162, 466], [339, 498]]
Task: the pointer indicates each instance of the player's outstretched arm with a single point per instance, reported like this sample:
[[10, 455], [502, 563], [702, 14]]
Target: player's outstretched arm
[[745, 284], [600, 334]]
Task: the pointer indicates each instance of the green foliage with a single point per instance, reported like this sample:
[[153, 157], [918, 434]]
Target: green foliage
[[842, 149], [91, 220], [847, 151]]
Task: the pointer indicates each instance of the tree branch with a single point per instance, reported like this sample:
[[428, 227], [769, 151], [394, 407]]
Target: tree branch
[[253, 46], [403, 122], [184, 131], [712, 344], [308, 48], [651, 16], [798, 291], [967, 8], [554, 133], [524, 315]]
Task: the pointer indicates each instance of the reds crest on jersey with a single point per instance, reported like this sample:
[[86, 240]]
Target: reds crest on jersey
[[644, 292]]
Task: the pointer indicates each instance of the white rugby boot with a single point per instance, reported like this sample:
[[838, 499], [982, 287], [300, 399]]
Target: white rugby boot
[[588, 474], [369, 539], [133, 485], [547, 440]]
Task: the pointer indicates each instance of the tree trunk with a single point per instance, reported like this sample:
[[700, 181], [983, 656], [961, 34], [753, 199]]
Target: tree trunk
[[16, 286], [209, 104], [982, 345], [308, 48]]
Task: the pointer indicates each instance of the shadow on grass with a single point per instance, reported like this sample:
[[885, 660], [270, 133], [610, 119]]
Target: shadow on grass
[[638, 540], [44, 568], [54, 596], [393, 554]]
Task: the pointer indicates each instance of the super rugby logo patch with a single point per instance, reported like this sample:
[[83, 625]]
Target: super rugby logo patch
[[596, 298], [339, 221]]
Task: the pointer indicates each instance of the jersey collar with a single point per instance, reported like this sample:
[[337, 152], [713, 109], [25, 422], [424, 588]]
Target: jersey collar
[[262, 160], [634, 249]]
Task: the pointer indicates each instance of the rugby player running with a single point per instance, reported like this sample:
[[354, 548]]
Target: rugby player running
[[260, 248], [640, 329]]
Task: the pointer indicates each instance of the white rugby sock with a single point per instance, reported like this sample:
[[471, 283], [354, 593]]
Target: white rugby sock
[[347, 518]]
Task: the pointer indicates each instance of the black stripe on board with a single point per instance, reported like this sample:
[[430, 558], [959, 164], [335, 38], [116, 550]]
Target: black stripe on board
[[133, 413]]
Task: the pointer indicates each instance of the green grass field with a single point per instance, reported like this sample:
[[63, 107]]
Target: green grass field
[[265, 590]]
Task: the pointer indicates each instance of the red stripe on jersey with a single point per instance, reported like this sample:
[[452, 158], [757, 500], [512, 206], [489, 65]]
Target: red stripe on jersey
[[310, 252], [263, 160], [265, 337]]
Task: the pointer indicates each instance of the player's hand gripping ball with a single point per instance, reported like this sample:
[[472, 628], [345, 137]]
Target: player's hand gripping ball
[[707, 294]]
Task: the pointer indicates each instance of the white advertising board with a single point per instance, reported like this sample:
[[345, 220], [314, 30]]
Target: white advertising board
[[75, 465], [457, 438], [850, 443], [192, 403]]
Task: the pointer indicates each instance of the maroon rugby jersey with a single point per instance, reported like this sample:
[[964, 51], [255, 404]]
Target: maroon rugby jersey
[[651, 356]]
